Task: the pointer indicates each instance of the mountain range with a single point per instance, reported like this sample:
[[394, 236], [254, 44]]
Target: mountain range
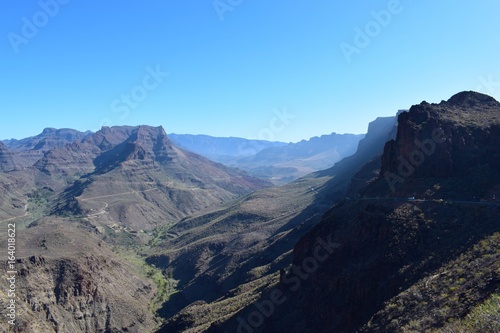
[[131, 230], [221, 149], [82, 198], [277, 162]]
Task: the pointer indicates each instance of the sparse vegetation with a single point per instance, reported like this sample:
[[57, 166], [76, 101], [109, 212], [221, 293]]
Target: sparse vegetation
[[448, 294], [484, 318], [165, 284]]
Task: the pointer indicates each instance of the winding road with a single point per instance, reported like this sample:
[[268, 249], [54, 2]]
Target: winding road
[[106, 205], [464, 202], [17, 217]]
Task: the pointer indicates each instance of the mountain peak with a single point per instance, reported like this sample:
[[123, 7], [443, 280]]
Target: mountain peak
[[470, 98], [469, 128], [151, 131], [49, 130]]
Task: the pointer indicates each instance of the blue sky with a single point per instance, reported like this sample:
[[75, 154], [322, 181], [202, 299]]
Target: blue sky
[[282, 70]]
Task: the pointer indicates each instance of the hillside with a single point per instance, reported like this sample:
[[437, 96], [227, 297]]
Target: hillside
[[136, 177], [8, 160], [69, 280], [82, 211], [283, 164], [399, 263], [223, 259]]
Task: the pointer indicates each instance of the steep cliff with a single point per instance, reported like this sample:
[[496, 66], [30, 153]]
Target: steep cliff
[[382, 246]]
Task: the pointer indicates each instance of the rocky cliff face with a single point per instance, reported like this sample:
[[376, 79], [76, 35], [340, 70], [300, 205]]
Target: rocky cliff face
[[382, 245], [446, 139], [143, 179]]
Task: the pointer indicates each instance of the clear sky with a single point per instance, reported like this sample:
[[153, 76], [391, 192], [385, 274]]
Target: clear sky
[[283, 70]]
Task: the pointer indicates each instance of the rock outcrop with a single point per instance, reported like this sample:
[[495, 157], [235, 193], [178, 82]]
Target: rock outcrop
[[460, 134]]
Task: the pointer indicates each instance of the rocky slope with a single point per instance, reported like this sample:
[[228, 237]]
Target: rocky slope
[[225, 258], [69, 281], [399, 264], [136, 177], [86, 205]]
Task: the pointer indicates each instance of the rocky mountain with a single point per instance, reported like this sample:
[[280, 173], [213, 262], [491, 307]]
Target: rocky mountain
[[286, 163], [221, 150], [123, 231], [136, 177], [416, 249], [126, 188], [82, 211]]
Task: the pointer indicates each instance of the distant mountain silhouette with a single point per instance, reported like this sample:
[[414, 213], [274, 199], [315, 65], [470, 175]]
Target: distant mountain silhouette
[[48, 139], [221, 149], [286, 163]]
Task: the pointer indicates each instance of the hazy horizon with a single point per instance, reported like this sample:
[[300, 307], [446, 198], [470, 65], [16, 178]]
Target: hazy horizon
[[194, 134]]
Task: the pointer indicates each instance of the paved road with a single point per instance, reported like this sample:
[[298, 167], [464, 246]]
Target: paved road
[[487, 203]]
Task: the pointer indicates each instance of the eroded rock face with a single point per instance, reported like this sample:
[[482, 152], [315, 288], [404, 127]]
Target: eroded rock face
[[84, 295], [141, 175], [388, 243], [70, 281], [446, 139]]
